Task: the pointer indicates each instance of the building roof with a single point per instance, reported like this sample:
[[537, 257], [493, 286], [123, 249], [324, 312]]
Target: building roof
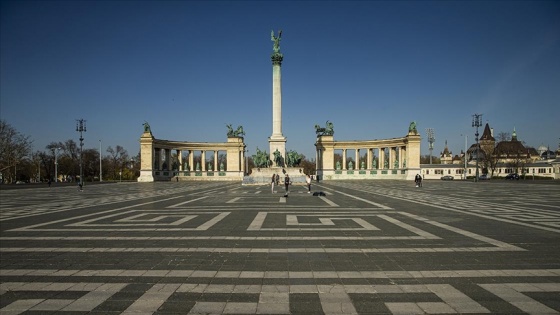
[[487, 134]]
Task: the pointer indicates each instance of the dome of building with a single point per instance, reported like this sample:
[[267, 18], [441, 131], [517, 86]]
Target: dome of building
[[542, 149]]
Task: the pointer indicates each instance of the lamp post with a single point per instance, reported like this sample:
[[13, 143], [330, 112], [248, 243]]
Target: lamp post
[[247, 162], [465, 157], [81, 128], [56, 164], [431, 140], [100, 165], [476, 122]]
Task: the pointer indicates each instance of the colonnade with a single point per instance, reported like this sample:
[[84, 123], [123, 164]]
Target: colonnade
[[163, 159], [376, 158], [396, 158], [158, 163]]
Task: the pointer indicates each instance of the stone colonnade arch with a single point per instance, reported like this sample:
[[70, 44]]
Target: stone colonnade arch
[[398, 158], [157, 163]]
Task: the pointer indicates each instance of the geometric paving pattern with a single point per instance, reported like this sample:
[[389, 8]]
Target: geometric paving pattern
[[366, 247]]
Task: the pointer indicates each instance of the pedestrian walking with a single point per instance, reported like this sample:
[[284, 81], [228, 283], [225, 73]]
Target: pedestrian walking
[[277, 179], [418, 180], [308, 181], [287, 182], [272, 183]]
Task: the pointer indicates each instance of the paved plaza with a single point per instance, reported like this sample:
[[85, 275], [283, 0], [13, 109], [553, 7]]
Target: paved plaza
[[365, 247]]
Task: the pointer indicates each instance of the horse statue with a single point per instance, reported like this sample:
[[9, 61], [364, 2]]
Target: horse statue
[[293, 158], [239, 132], [325, 131], [235, 133], [261, 159], [230, 131]]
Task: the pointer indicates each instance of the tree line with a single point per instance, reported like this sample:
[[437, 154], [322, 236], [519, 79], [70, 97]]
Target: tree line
[[19, 163]]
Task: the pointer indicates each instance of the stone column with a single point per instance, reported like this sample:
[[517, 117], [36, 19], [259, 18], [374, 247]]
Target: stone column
[[216, 160], [277, 141], [191, 160], [344, 167], [179, 160], [357, 154], [203, 161]]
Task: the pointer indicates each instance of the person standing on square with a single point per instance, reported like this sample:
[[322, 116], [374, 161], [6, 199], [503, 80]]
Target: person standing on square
[[287, 182]]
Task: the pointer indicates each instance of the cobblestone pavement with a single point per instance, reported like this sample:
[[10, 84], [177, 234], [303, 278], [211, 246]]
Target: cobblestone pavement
[[366, 247]]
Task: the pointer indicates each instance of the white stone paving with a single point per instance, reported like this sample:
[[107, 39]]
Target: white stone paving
[[335, 298]]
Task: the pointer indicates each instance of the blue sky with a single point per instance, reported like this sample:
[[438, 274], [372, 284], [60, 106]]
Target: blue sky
[[189, 68]]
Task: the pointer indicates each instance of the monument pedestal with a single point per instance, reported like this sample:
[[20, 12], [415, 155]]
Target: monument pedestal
[[263, 176]]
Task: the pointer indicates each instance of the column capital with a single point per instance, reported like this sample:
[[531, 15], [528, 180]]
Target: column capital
[[277, 59]]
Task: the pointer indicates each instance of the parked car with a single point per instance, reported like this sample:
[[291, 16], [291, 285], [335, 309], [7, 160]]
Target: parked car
[[513, 176], [484, 177], [447, 177]]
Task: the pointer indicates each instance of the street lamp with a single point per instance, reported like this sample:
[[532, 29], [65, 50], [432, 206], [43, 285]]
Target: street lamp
[[56, 164], [81, 128], [100, 165], [247, 162], [431, 140], [465, 157], [476, 122]]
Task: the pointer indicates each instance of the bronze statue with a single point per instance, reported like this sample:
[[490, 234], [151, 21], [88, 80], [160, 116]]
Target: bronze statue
[[276, 40], [146, 127], [261, 159], [277, 158], [238, 133], [412, 128], [326, 131], [293, 158]]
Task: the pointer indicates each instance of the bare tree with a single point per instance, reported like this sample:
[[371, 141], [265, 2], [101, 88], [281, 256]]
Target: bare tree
[[14, 147], [503, 136], [118, 158]]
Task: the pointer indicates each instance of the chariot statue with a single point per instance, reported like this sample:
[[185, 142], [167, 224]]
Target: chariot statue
[[328, 130], [235, 133]]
